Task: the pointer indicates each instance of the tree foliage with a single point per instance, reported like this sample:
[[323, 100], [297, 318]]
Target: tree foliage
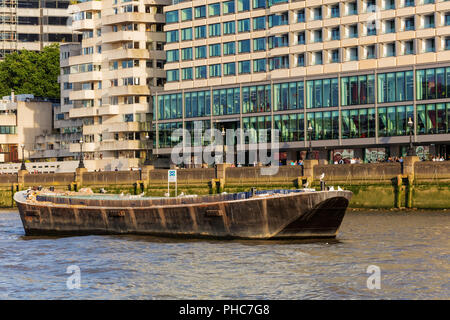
[[30, 72]]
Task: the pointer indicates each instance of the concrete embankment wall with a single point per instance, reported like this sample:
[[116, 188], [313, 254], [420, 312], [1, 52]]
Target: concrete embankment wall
[[381, 185]]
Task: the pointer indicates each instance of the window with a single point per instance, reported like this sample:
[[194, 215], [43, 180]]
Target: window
[[352, 8], [200, 72], [200, 32], [301, 60], [317, 58], [172, 36], [317, 13], [357, 90], [186, 74], [317, 35], [278, 19], [335, 56], [447, 44], [409, 47], [335, 11], [186, 34], [389, 26], [395, 86], [214, 50], [371, 52], [281, 62], [229, 48], [172, 75], [322, 93], [244, 25], [409, 3], [229, 69], [447, 19], [228, 7], [278, 41], [353, 54], [214, 30], [259, 44], [186, 14], [214, 70], [259, 4], [200, 12], [186, 54], [214, 9], [172, 55], [172, 16], [200, 52], [229, 27], [243, 5], [244, 67], [389, 50], [244, 46], [335, 34], [429, 21], [301, 15], [389, 4], [430, 45], [409, 24], [353, 31], [259, 65], [259, 23]]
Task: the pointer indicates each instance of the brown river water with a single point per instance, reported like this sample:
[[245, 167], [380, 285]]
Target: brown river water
[[411, 249]]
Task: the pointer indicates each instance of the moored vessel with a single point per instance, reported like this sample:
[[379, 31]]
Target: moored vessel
[[270, 214]]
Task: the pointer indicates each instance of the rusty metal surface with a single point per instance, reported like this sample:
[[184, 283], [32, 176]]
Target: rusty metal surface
[[297, 215]]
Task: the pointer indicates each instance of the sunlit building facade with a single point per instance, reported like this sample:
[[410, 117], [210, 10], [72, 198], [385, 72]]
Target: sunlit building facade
[[107, 81], [353, 71]]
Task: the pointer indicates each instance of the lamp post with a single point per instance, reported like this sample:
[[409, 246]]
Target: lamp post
[[223, 145], [309, 156], [81, 164], [23, 167], [147, 152], [411, 151]]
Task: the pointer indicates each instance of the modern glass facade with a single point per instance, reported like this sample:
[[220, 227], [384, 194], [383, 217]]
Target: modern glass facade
[[351, 107]]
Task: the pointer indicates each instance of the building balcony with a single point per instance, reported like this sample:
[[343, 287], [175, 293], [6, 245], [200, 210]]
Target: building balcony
[[87, 147], [85, 76], [127, 17], [8, 120], [82, 95], [83, 112], [95, 5], [129, 90], [81, 59], [115, 145], [81, 25], [123, 127], [108, 110], [120, 54], [120, 36], [9, 139]]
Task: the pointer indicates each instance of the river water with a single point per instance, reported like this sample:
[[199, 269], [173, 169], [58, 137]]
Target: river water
[[411, 249]]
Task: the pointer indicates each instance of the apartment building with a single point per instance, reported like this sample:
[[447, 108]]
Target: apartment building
[[22, 118], [107, 80], [34, 24], [352, 71]]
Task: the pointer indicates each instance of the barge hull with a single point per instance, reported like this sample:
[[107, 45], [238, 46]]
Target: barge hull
[[297, 215]]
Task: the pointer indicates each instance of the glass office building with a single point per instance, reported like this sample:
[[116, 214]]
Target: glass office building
[[291, 65]]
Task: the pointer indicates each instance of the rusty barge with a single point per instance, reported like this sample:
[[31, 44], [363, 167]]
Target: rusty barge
[[272, 214]]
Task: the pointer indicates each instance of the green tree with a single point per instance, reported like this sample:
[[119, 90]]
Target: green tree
[[31, 72]]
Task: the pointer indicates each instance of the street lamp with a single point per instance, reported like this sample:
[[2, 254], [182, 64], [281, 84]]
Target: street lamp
[[309, 155], [411, 151], [223, 145], [147, 152], [81, 164], [23, 167]]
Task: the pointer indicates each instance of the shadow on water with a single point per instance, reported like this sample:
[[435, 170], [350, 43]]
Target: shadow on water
[[173, 239]]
